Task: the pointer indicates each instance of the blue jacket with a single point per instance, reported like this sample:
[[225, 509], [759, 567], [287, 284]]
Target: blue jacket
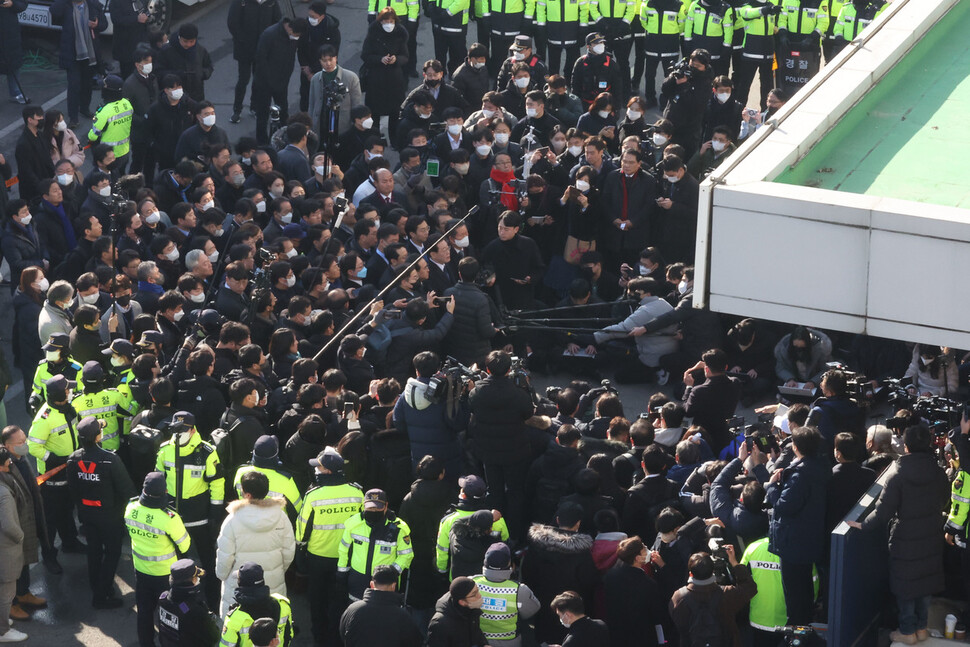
[[797, 530], [426, 424], [61, 14], [744, 523]]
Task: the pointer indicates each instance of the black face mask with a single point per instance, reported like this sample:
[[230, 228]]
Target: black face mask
[[432, 83], [373, 517], [123, 301]]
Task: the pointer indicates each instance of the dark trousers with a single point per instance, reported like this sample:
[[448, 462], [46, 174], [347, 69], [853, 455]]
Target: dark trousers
[[245, 72], [621, 48], [142, 160], [104, 534], [204, 544], [651, 63], [484, 31], [744, 77], [796, 581], [59, 511], [499, 52], [79, 85], [506, 492], [325, 607], [554, 54], [263, 96], [449, 48], [305, 91], [23, 582], [147, 590], [412, 28], [762, 638], [639, 58]]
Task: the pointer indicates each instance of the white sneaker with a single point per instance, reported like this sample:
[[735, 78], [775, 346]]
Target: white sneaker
[[662, 377], [13, 636]]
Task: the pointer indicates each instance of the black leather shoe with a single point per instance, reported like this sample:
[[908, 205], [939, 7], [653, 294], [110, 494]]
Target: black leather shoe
[[107, 603]]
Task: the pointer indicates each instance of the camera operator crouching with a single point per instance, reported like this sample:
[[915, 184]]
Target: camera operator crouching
[[704, 610]]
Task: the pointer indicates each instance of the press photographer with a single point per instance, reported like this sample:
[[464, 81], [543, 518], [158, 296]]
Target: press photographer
[[704, 610]]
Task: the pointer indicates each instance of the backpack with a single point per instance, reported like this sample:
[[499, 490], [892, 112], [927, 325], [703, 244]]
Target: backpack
[[142, 450], [221, 439], [704, 629]]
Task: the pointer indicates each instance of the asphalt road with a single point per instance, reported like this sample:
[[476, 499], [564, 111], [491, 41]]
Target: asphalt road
[[70, 620]]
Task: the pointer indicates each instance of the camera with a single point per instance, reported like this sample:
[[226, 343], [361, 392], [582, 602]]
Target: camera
[[485, 277], [683, 70], [334, 92], [451, 380], [715, 545], [519, 374]]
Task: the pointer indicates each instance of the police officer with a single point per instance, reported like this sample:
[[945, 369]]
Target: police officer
[[183, 618], [853, 18], [158, 537], [801, 25], [563, 21], [121, 354], [613, 19], [57, 362], [506, 22], [709, 24], [101, 487], [596, 71], [505, 600], [112, 123], [51, 440], [471, 499], [449, 28], [320, 526], [760, 19], [663, 23], [105, 404], [373, 537], [254, 601], [522, 53], [266, 460], [196, 488]]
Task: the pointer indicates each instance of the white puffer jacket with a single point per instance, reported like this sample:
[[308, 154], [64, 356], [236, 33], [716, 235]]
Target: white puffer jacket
[[255, 531]]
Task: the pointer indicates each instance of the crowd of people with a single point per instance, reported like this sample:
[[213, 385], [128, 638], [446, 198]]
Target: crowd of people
[[315, 365]]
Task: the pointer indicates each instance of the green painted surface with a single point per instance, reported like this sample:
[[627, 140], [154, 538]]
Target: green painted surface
[[909, 137]]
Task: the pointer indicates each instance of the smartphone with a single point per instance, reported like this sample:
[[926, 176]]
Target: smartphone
[[348, 408], [340, 203], [543, 150], [752, 112]]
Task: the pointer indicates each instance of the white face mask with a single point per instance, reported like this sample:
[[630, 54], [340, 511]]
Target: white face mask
[[454, 129], [291, 254], [522, 82], [146, 69], [488, 114], [462, 169], [176, 94], [519, 56], [287, 218], [682, 287], [61, 125], [117, 362], [218, 233], [367, 123], [313, 21], [645, 271], [276, 192], [461, 243], [483, 149], [173, 255], [53, 356], [178, 315], [633, 115], [42, 285], [424, 116], [502, 138], [531, 112], [208, 205], [105, 191], [379, 155], [197, 298], [575, 151], [248, 161], [320, 170], [26, 219], [673, 179], [558, 145], [238, 179], [89, 299], [213, 257], [604, 114], [723, 96], [65, 179], [261, 207], [294, 37], [387, 26], [718, 146], [153, 218], [659, 140], [478, 65], [290, 280], [209, 121], [582, 185], [599, 48]]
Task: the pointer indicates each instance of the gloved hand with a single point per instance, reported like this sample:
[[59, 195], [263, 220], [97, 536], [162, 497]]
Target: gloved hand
[[35, 402], [342, 586]]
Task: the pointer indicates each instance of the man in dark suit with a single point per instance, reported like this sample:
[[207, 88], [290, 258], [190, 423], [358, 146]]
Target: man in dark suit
[[710, 404], [441, 274], [378, 262], [386, 196], [459, 243], [630, 200], [417, 230], [294, 161]]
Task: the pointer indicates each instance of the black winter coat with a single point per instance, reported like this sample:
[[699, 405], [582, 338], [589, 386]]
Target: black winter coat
[[422, 508], [384, 85], [643, 502], [21, 249], [641, 196], [911, 504], [797, 529], [379, 619], [469, 339], [11, 51], [275, 55], [61, 14], [686, 105], [50, 230], [247, 19], [497, 429], [193, 67], [296, 456], [849, 482], [128, 32], [557, 560], [453, 625], [202, 396], [710, 404], [471, 83], [634, 605], [550, 478], [405, 346], [26, 340], [164, 125], [33, 164]]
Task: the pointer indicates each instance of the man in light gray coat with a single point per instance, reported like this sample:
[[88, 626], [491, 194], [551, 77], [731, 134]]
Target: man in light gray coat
[[650, 347], [12, 497], [331, 72], [54, 318]]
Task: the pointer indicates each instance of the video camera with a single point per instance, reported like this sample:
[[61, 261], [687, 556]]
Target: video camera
[[683, 70], [334, 92], [798, 636], [759, 432], [451, 375], [857, 386], [519, 374], [715, 545]]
